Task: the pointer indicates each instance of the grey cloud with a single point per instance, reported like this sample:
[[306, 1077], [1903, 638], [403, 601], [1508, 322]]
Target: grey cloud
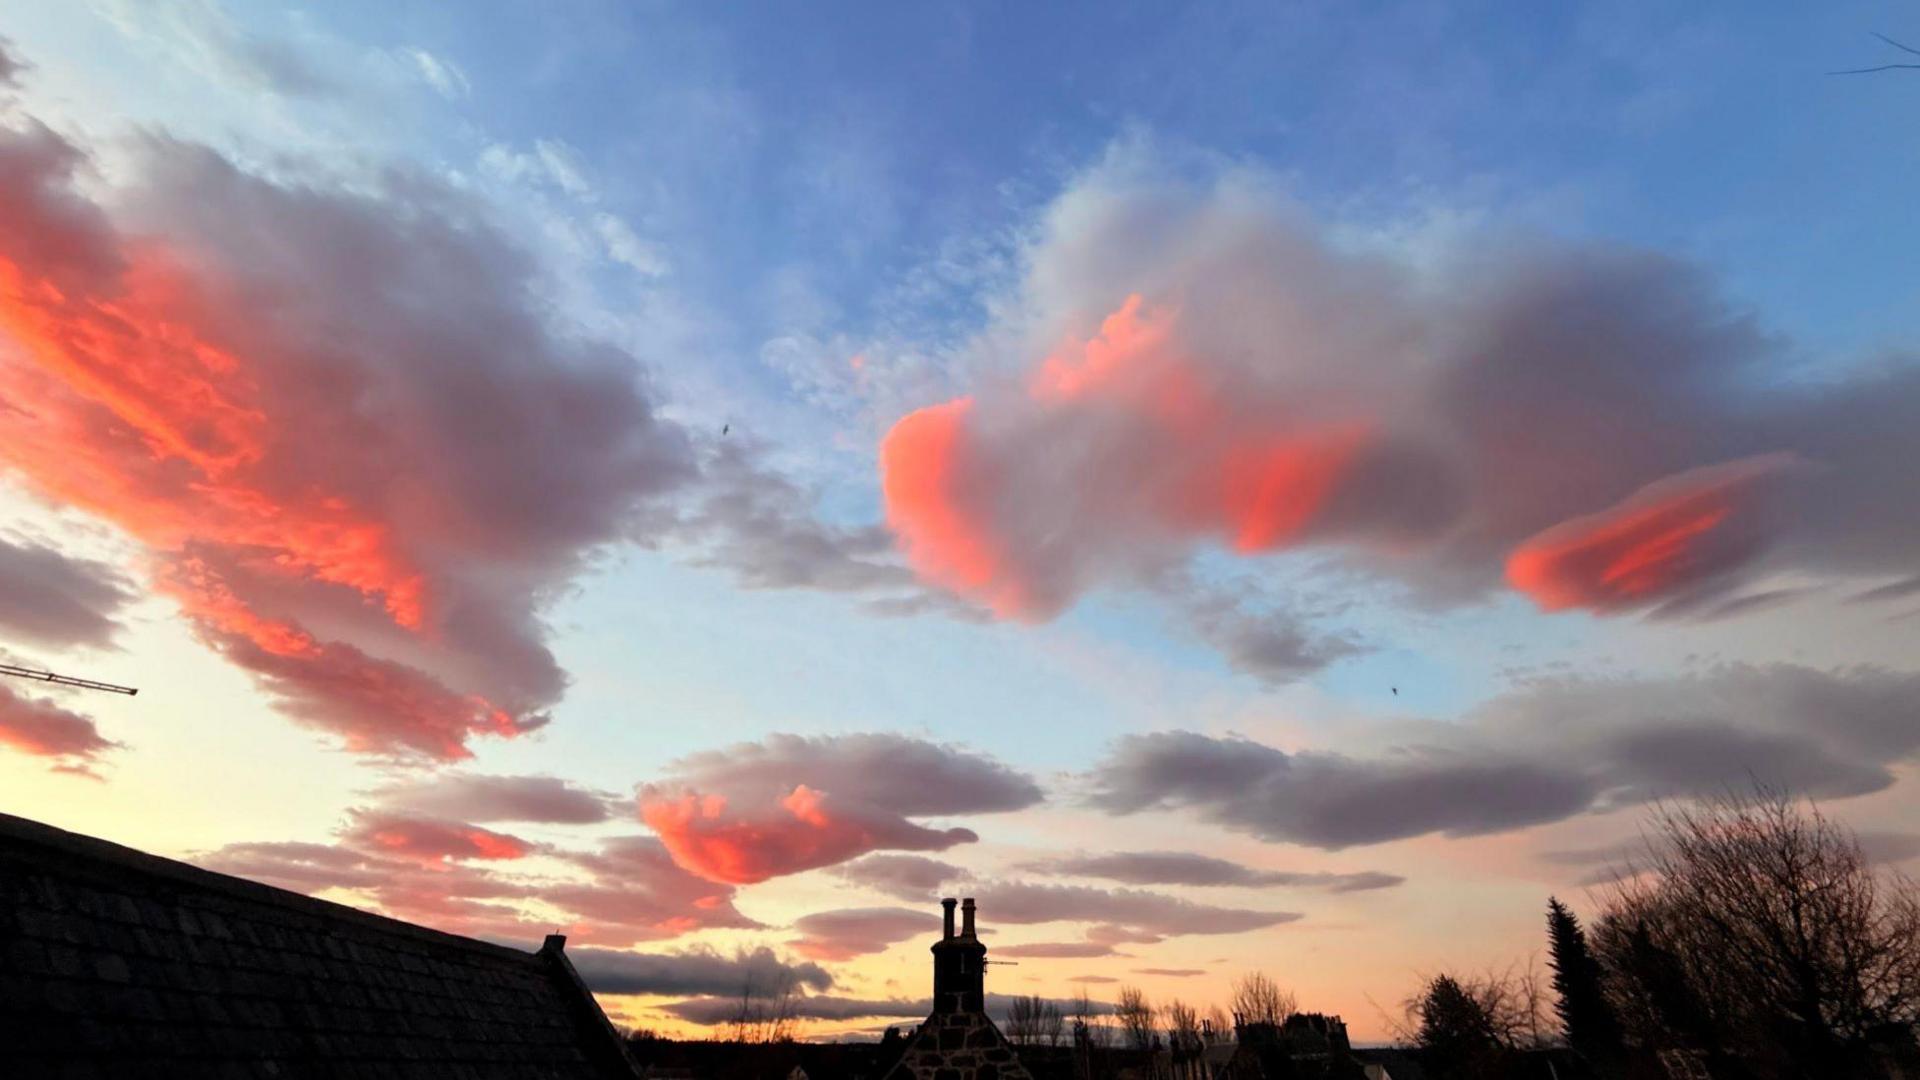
[[1184, 868], [58, 600], [1262, 637], [696, 971], [1518, 388], [1543, 753], [714, 1011], [850, 932], [1132, 914], [757, 524], [632, 892], [909, 877], [1066, 950], [475, 797], [11, 66], [1893, 590], [34, 726], [909, 776]]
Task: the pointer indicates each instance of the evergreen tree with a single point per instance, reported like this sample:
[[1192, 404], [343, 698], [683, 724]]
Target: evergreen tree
[[1586, 1017], [1456, 1032]]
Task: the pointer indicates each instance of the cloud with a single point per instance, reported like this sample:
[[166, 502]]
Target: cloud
[[1171, 973], [1673, 536], [1062, 950], [42, 729], [202, 34], [476, 797], [760, 525], [1124, 914], [695, 971], [624, 891], [1542, 753], [1184, 868], [1609, 863], [11, 66], [801, 830], [442, 74], [850, 932], [56, 600], [791, 803], [1257, 634], [909, 877], [716, 1011], [1197, 366], [430, 840], [337, 418]]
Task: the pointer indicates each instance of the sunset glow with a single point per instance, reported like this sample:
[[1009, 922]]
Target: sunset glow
[[1235, 491]]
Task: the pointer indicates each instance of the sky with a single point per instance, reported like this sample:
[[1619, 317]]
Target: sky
[[1232, 487]]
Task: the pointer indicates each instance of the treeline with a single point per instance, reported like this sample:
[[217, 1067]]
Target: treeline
[[1754, 941]]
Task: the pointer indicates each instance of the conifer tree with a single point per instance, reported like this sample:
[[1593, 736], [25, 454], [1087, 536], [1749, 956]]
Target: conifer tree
[[1588, 1020]]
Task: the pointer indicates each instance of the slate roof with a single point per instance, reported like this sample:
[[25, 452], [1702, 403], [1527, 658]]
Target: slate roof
[[118, 963]]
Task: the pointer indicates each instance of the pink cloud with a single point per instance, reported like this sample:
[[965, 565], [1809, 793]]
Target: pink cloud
[[802, 830], [355, 453], [43, 729]]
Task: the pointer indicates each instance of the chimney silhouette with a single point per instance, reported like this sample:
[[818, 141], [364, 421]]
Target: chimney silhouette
[[947, 932], [959, 966]]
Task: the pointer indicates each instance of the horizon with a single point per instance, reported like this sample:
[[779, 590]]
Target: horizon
[[1252, 489]]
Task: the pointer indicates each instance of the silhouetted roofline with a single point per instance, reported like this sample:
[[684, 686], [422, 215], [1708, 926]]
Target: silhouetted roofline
[[92, 849]]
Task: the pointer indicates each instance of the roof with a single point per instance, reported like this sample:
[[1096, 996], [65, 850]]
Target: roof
[[115, 962]]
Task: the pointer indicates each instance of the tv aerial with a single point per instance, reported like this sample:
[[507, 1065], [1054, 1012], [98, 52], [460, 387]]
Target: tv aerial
[[53, 679]]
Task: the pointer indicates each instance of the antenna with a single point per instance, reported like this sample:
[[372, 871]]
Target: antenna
[[66, 680]]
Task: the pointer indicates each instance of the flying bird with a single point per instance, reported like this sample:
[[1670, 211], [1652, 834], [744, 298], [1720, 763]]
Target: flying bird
[[1395, 689], [724, 428]]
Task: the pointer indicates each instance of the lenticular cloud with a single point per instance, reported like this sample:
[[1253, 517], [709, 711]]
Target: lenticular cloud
[[1592, 427]]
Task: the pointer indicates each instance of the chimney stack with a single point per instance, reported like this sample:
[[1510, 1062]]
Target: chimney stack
[[966, 920], [948, 904]]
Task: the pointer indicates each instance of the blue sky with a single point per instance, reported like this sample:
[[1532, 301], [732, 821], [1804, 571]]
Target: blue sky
[[1448, 227]]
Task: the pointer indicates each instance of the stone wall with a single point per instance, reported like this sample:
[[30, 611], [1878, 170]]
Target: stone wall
[[959, 1046]]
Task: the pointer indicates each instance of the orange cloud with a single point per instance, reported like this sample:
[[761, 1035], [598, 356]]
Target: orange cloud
[[43, 729], [1122, 440], [1663, 540], [431, 840], [355, 465], [803, 830]]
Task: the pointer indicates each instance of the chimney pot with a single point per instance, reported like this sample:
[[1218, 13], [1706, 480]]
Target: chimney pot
[[966, 923], [948, 903]]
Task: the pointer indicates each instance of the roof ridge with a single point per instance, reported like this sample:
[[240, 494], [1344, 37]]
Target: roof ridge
[[93, 849]]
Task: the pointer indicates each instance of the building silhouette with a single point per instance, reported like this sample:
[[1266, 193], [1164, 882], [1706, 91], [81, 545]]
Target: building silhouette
[[958, 1040], [118, 963]]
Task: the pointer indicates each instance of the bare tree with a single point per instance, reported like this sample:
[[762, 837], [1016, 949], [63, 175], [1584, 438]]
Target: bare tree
[[1135, 1014], [1033, 1020], [1504, 1010], [1762, 929], [765, 1011], [1085, 1028], [1257, 999], [1022, 1020], [1909, 65], [1051, 1024], [1183, 1037]]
